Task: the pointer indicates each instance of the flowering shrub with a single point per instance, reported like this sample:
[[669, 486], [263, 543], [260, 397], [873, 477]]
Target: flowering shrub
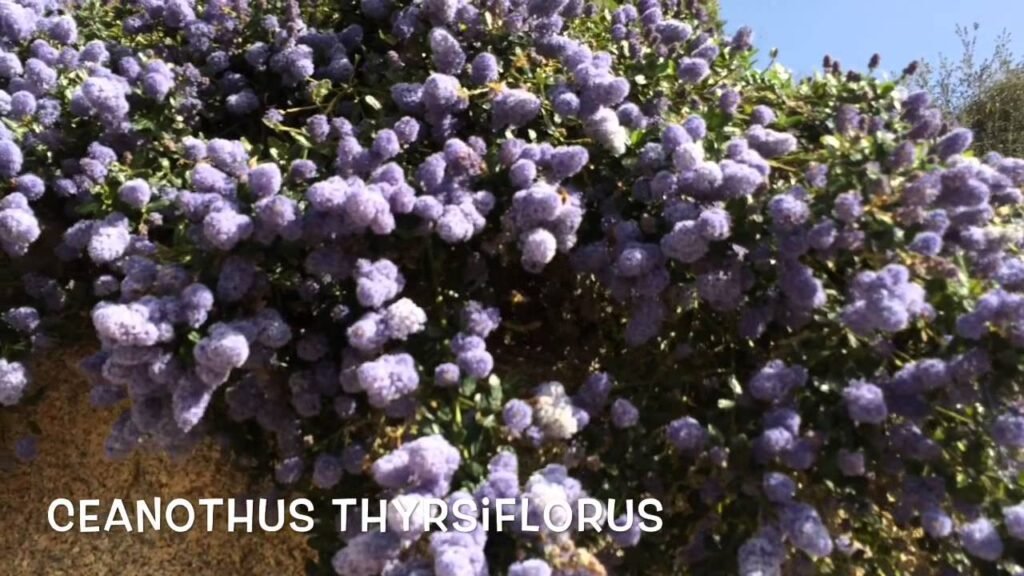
[[479, 249]]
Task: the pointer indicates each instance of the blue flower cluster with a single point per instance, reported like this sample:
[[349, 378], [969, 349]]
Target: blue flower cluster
[[472, 360]]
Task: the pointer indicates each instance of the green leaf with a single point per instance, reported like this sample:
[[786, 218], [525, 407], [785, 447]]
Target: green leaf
[[320, 90], [734, 385]]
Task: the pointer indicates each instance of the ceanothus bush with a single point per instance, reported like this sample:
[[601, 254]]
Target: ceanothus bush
[[472, 249]]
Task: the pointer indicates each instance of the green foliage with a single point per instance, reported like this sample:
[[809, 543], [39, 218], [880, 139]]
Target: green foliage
[[997, 115], [984, 93]]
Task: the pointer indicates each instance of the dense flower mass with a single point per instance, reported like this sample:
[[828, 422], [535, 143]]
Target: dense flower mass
[[478, 249]]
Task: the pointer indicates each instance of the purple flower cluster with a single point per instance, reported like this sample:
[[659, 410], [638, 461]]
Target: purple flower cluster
[[424, 466], [545, 212], [19, 228], [13, 381], [884, 301], [550, 415], [999, 309], [472, 360], [865, 403]]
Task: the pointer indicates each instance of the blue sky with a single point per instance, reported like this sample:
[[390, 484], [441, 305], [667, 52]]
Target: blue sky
[[852, 30]]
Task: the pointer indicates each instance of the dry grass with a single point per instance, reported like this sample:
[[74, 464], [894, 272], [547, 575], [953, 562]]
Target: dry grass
[[71, 465]]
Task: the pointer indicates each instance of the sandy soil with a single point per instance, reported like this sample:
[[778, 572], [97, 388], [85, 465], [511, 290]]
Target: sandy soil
[[71, 465]]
